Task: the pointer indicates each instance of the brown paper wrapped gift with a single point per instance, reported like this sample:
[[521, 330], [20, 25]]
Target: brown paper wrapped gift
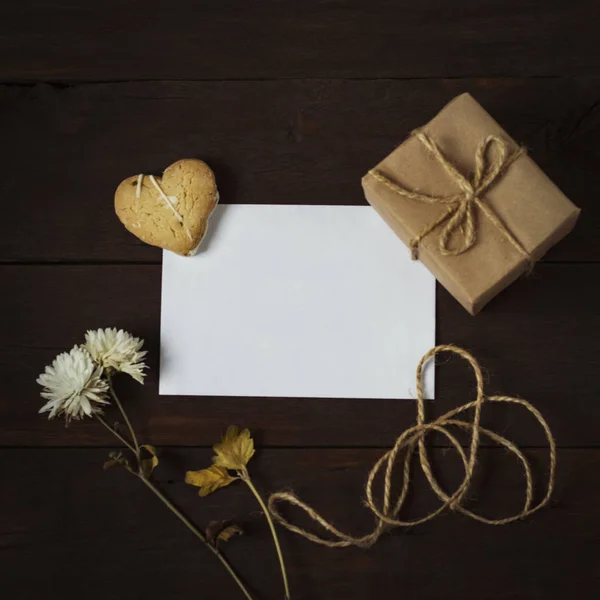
[[469, 202]]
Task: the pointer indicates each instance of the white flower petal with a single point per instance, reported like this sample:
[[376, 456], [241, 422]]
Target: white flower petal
[[86, 407], [73, 386], [116, 349]]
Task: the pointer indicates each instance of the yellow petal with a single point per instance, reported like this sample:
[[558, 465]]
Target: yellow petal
[[235, 449], [149, 464], [226, 534], [246, 446], [231, 433], [209, 480], [221, 531]]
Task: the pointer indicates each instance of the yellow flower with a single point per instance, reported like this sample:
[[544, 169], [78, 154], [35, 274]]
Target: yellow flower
[[209, 480], [232, 452], [235, 449]]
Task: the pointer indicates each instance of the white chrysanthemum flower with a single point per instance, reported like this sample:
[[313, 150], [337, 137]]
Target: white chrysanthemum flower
[[73, 386], [118, 350]]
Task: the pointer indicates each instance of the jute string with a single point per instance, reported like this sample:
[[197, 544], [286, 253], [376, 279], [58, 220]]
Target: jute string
[[411, 442], [163, 197], [460, 207]]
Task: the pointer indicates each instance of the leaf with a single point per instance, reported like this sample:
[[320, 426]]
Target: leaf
[[212, 531], [235, 450], [226, 534], [116, 459], [221, 531], [209, 480], [148, 464]]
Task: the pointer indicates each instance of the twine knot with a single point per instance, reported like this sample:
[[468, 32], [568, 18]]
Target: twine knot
[[412, 442], [459, 216]]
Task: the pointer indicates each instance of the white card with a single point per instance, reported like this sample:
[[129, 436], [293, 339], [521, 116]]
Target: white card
[[296, 301]]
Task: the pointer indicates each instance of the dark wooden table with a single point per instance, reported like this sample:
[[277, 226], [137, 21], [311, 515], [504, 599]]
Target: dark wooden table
[[290, 102]]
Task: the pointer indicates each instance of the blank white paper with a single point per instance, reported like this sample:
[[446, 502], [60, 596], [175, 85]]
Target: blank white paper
[[296, 301]]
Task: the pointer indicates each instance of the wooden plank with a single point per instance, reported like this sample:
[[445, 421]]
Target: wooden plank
[[113, 40], [535, 340], [269, 142], [60, 513]]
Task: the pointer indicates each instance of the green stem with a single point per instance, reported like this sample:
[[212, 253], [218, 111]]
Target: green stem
[[115, 433], [196, 532], [124, 414], [245, 476]]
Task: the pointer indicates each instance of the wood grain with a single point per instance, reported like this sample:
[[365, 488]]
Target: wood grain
[[282, 142], [290, 102], [105, 536], [230, 39], [533, 340]]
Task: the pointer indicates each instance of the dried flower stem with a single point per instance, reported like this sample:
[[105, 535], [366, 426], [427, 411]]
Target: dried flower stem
[[124, 414], [245, 477], [196, 532], [139, 474], [115, 433]]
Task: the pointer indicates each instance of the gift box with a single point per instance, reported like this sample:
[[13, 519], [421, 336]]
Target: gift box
[[469, 202]]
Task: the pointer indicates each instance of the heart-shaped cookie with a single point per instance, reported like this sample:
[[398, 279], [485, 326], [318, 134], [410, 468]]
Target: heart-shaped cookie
[[171, 211]]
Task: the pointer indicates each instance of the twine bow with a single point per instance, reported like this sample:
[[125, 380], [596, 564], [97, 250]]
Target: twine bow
[[412, 441], [460, 208]]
